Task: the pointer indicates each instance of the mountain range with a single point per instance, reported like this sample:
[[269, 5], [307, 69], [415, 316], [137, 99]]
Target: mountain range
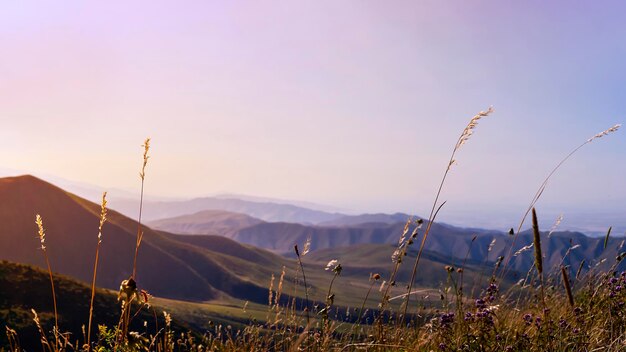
[[222, 255], [263, 210], [166, 267], [385, 229], [184, 267]]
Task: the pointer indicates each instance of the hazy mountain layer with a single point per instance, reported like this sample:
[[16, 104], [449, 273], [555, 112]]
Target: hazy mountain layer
[[266, 211], [449, 241]]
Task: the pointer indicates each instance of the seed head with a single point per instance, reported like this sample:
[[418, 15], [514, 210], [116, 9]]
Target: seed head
[[537, 242], [307, 246], [103, 216], [146, 148], [41, 232], [469, 129], [605, 132]]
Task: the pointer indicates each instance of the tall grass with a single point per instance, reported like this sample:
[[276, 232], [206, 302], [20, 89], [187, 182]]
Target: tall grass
[[128, 288], [544, 184], [42, 239], [462, 140], [142, 176], [103, 218], [588, 313]]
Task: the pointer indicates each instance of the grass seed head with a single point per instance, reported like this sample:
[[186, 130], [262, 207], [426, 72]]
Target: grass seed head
[[537, 243], [605, 132], [41, 231]]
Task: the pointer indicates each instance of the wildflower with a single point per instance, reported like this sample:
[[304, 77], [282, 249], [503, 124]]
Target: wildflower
[[128, 290], [528, 318], [446, 319], [480, 303], [334, 266]]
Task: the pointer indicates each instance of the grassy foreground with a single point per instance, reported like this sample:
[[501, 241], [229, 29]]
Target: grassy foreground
[[570, 309]]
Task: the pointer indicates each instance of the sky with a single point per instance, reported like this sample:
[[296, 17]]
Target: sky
[[353, 104]]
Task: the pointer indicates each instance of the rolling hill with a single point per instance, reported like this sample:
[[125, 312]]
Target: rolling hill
[[215, 268], [196, 268], [166, 267], [193, 267], [24, 287]]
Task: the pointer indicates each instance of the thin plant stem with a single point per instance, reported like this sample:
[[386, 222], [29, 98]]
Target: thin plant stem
[[54, 301], [374, 278], [42, 239], [142, 175], [467, 132], [103, 213], [306, 289], [543, 186]]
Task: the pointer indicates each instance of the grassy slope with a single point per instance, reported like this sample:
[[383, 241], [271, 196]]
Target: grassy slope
[[25, 287]]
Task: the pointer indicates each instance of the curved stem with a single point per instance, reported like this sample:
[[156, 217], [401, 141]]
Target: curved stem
[[534, 201], [93, 295], [54, 301]]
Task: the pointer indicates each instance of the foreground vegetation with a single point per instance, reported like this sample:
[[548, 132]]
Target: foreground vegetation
[[568, 309]]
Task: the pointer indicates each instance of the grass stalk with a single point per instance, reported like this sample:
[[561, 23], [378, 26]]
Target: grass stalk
[[42, 239], [306, 289], [142, 175], [103, 217], [568, 288], [542, 188], [463, 138]]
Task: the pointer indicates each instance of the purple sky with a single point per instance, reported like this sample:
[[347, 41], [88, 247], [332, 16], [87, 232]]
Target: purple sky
[[354, 104]]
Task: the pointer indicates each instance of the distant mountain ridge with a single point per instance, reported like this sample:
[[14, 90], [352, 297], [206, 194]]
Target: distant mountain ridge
[[266, 211], [383, 229], [361, 219], [201, 267], [206, 222]]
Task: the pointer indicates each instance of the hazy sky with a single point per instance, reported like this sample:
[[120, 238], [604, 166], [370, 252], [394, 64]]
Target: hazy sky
[[354, 104]]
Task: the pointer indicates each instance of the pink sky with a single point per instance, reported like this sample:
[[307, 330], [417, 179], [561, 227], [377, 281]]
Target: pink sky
[[355, 104]]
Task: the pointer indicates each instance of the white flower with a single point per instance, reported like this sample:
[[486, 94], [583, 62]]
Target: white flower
[[331, 264]]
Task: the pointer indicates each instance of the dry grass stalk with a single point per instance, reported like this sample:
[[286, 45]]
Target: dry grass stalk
[[542, 187], [142, 175], [14, 342], [307, 247], [606, 238], [373, 279], [537, 244], [42, 239], [558, 221], [463, 138], [279, 292], [568, 288], [44, 341], [538, 255], [270, 297], [103, 218], [580, 268]]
